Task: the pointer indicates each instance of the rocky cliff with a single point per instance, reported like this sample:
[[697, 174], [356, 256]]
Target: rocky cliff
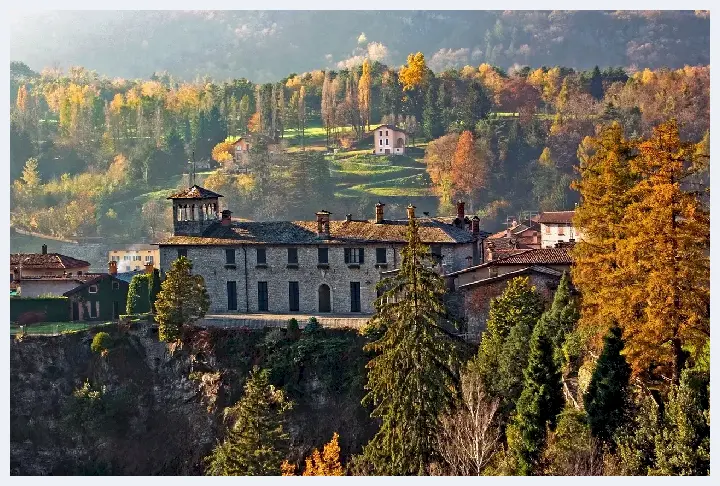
[[141, 409]]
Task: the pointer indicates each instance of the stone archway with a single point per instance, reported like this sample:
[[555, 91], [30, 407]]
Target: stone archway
[[324, 304]]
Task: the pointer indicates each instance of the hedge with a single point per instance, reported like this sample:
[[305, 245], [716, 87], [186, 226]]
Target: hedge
[[56, 309]]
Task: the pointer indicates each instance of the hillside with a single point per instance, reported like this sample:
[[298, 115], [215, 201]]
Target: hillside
[[268, 45]]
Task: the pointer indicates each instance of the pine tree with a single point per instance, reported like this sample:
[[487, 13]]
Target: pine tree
[[502, 356], [539, 404], [562, 316], [413, 376], [182, 300], [257, 442], [432, 122], [596, 86], [606, 399]]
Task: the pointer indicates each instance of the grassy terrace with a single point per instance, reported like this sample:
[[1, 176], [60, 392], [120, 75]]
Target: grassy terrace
[[55, 328]]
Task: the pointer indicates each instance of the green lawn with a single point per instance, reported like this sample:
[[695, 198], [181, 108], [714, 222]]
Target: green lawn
[[53, 328]]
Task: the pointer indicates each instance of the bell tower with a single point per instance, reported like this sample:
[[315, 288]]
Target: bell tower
[[194, 210]]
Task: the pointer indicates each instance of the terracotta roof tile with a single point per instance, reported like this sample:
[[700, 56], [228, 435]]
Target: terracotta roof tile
[[49, 260], [341, 232], [540, 256], [194, 192], [556, 217]]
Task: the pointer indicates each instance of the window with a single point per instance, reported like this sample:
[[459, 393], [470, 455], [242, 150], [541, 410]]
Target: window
[[387, 142], [115, 258], [322, 256], [260, 254], [94, 310], [230, 257], [381, 255], [136, 258], [354, 256], [354, 296], [232, 296], [547, 229], [262, 296], [93, 289], [116, 285], [292, 256], [126, 258], [381, 141], [561, 230], [436, 252], [294, 296], [182, 252], [387, 132], [149, 259]]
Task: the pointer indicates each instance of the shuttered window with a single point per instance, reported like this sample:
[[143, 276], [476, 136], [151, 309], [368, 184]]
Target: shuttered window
[[354, 296], [262, 296], [294, 296]]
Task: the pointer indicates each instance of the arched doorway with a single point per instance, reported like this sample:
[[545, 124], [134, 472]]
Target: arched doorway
[[324, 298]]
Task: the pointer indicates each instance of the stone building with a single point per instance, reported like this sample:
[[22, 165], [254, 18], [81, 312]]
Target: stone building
[[389, 140], [557, 227], [323, 266]]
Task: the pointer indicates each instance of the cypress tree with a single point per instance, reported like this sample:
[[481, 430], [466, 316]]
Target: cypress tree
[[596, 87], [413, 376], [539, 404], [562, 317], [504, 346], [257, 442], [606, 397]]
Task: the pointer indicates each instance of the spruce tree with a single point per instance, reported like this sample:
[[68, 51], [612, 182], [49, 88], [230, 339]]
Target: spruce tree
[[606, 399], [539, 404], [413, 376], [257, 442], [504, 346], [182, 300], [562, 317]]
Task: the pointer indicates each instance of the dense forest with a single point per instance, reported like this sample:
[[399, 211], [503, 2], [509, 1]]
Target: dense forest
[[266, 45], [96, 156]]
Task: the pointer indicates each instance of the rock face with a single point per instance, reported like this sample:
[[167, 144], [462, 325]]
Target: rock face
[[146, 411]]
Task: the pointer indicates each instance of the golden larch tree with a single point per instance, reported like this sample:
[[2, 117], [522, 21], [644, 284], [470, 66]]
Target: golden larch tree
[[415, 73], [327, 463]]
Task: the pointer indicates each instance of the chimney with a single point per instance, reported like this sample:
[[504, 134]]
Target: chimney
[[379, 212], [226, 217], [323, 223], [149, 268], [411, 212], [112, 267], [490, 250], [475, 225], [348, 217], [461, 211], [44, 249]]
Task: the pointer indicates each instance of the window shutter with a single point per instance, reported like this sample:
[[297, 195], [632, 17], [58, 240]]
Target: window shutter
[[347, 255], [362, 255]]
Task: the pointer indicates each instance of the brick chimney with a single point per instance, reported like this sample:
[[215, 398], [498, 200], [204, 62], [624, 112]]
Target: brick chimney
[[475, 225], [323, 223], [44, 249], [379, 212], [490, 250], [411, 212], [461, 211], [149, 268], [112, 267], [226, 217]]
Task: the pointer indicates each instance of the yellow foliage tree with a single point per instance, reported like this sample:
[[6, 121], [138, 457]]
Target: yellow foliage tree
[[414, 74], [327, 463]]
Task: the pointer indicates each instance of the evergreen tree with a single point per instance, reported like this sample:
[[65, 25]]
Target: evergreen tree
[[183, 299], [257, 442], [504, 347], [606, 399], [475, 106], [432, 123], [539, 404], [596, 86], [562, 317], [413, 376]]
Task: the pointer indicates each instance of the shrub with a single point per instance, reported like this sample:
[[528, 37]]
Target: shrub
[[101, 343], [312, 326], [293, 329]]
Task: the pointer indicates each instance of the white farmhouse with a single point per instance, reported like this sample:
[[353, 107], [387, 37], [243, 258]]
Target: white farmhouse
[[389, 140]]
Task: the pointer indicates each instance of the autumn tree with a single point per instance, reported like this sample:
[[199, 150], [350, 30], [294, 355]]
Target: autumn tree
[[327, 106], [183, 299], [470, 167], [412, 377], [414, 75], [365, 93], [439, 156], [257, 440], [327, 463]]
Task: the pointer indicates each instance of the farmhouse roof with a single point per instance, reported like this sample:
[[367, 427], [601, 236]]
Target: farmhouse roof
[[510, 275], [91, 281], [538, 256], [194, 192], [391, 127], [431, 230], [556, 217], [136, 247], [54, 261]]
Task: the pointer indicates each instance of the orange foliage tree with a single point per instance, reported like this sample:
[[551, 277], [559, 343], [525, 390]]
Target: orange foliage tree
[[469, 170], [327, 463]]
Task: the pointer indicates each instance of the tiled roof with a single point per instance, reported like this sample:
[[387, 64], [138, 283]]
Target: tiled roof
[[127, 276], [136, 247], [510, 275], [517, 229], [556, 217], [341, 232], [194, 192], [540, 256], [90, 281], [391, 127], [54, 261]]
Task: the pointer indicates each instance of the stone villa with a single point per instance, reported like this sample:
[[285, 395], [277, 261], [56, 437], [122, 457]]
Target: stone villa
[[320, 267]]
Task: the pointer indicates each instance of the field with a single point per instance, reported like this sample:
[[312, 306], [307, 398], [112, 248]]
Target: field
[[55, 328]]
